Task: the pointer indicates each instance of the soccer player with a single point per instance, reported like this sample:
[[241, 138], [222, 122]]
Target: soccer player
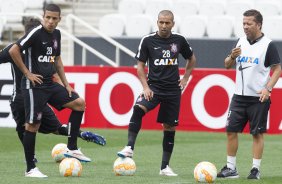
[[42, 47], [255, 56], [50, 123], [160, 50]]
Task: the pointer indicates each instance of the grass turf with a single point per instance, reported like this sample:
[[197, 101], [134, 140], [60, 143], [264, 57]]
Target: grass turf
[[190, 148]]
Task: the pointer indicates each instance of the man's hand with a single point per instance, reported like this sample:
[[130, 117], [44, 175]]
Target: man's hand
[[263, 95], [34, 78], [148, 94], [70, 90], [182, 83]]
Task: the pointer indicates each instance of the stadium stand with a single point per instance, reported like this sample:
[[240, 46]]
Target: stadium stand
[[156, 6], [269, 7], [237, 8], [238, 27], [220, 27], [138, 25], [212, 7], [193, 26], [131, 7], [182, 8], [113, 24], [273, 27], [12, 8]]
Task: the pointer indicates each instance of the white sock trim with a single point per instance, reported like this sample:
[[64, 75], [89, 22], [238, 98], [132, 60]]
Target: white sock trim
[[231, 162], [256, 163]]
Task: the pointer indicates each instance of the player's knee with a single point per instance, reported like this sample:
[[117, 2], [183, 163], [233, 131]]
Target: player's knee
[[168, 127], [34, 127], [137, 115], [77, 105], [139, 110]]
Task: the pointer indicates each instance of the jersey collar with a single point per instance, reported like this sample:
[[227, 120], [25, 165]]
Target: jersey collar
[[256, 40]]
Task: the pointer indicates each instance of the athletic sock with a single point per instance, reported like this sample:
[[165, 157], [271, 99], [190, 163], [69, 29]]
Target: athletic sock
[[135, 125], [256, 163], [73, 128], [168, 144], [231, 162], [29, 149], [21, 135]]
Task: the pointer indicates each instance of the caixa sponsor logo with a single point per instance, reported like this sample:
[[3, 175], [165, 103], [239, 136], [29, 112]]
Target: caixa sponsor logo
[[46, 59]]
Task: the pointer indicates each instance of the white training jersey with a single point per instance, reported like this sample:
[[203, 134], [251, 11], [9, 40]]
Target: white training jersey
[[252, 74]]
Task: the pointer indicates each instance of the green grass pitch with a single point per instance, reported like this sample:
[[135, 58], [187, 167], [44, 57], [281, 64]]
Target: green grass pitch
[[190, 148]]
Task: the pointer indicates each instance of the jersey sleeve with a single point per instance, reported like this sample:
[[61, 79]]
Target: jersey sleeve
[[272, 55], [28, 39], [186, 50], [142, 52]]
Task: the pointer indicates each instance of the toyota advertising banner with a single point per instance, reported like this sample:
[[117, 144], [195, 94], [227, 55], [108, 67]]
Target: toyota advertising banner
[[110, 94]]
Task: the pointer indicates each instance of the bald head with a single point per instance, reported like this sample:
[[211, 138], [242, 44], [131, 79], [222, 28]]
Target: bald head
[[166, 13]]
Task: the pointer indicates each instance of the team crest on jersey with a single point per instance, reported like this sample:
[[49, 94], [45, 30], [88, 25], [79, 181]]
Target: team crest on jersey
[[173, 48], [55, 44]]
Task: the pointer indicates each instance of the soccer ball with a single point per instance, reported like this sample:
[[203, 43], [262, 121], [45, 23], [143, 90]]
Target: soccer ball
[[70, 167], [124, 166], [205, 172], [58, 152]]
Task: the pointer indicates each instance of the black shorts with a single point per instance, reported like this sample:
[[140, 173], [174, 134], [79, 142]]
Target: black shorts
[[169, 107], [49, 122], [37, 98], [245, 109]]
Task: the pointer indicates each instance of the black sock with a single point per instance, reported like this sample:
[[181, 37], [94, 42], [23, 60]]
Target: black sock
[[168, 143], [63, 130], [21, 135], [73, 129], [135, 125], [29, 149]]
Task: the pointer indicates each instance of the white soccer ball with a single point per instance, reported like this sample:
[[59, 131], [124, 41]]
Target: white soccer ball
[[205, 172], [58, 152], [70, 167], [124, 166]]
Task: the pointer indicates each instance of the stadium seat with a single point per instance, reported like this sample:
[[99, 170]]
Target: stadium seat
[[155, 6], [212, 7], [220, 27], [268, 7], [182, 8], [272, 27], [131, 7], [238, 7], [112, 24], [238, 27], [138, 25], [193, 26], [12, 7], [34, 4]]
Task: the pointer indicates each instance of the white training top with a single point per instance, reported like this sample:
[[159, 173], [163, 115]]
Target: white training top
[[251, 73]]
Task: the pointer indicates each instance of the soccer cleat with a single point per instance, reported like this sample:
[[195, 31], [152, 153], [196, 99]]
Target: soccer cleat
[[227, 173], [77, 154], [92, 137], [167, 172], [35, 173], [126, 152], [254, 174]]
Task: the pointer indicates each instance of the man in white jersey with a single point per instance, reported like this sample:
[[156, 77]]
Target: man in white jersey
[[255, 56]]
